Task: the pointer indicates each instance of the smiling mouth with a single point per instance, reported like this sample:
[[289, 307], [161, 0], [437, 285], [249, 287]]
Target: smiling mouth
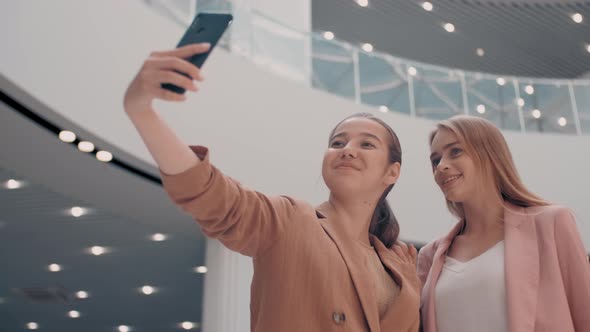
[[450, 180]]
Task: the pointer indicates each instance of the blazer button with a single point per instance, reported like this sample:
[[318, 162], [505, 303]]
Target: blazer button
[[338, 317]]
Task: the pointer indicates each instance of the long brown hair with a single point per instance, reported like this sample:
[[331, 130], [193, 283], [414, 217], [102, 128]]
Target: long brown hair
[[486, 145], [384, 224]]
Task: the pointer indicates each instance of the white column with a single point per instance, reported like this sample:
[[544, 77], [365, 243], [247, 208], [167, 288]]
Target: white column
[[226, 293]]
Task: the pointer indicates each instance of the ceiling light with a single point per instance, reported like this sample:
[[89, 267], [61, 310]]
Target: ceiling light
[[54, 267], [104, 156], [188, 325], [82, 294], [77, 211], [86, 146], [412, 71], [124, 328], [480, 52], [67, 136], [13, 184], [481, 109], [536, 114], [577, 17], [32, 326], [588, 48], [74, 314], [147, 290], [449, 27], [383, 108], [501, 81], [562, 121], [427, 6], [328, 35], [201, 269], [97, 250], [520, 102], [362, 3], [529, 89], [158, 237], [367, 47]]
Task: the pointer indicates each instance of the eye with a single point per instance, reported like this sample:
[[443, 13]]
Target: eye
[[435, 162], [367, 145], [336, 144], [456, 151]]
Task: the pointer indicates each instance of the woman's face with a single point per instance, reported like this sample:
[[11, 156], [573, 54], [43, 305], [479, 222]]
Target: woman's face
[[454, 170], [357, 158]]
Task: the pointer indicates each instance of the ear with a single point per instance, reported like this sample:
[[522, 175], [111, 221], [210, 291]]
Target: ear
[[392, 173]]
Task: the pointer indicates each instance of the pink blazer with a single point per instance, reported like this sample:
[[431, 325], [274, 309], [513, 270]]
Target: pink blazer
[[547, 271]]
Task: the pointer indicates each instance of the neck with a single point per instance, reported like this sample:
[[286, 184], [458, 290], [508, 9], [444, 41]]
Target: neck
[[352, 215], [483, 217]]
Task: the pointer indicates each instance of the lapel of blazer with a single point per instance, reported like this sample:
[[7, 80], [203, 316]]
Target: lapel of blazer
[[438, 261], [356, 269], [408, 300], [521, 261]]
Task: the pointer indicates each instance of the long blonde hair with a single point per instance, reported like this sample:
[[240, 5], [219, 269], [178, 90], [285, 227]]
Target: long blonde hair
[[486, 145]]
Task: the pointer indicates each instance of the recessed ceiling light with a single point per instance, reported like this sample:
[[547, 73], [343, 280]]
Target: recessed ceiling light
[[124, 328], [188, 325], [520, 102], [383, 108], [427, 6], [588, 48], [54, 267], [480, 52], [13, 184], [32, 326], [450, 27], [536, 113], [98, 250], [77, 211], [147, 290], [104, 156], [562, 121], [74, 314], [86, 146], [158, 237], [577, 17], [67, 136], [82, 294], [412, 71], [529, 89], [367, 47], [362, 3], [201, 269], [501, 81], [328, 35], [481, 109]]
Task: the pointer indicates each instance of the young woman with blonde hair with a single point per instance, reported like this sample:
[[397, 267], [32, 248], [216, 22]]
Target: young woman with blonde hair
[[513, 262]]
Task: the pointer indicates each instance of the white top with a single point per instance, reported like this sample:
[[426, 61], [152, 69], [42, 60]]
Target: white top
[[471, 296]]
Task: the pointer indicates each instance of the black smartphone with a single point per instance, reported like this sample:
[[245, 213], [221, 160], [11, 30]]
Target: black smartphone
[[205, 28]]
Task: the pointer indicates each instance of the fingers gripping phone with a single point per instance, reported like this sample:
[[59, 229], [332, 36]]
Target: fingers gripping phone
[[205, 28]]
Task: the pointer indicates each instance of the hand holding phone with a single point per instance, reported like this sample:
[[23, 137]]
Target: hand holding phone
[[205, 28]]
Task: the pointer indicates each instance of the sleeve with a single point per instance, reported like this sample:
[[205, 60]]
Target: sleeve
[[575, 269], [243, 220]]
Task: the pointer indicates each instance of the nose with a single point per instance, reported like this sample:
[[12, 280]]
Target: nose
[[442, 166], [349, 152]]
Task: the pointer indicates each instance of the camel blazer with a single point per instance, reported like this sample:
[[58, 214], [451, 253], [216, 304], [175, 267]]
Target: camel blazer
[[546, 269], [308, 276]]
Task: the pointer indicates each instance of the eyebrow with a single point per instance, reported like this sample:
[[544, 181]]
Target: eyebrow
[[444, 148], [344, 134]]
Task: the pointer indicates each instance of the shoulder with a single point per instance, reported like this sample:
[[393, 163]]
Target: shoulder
[[550, 214]]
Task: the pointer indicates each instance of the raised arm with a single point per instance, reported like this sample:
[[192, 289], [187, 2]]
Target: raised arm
[[171, 154]]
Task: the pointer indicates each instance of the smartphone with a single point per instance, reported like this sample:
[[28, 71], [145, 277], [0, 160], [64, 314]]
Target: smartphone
[[205, 28]]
